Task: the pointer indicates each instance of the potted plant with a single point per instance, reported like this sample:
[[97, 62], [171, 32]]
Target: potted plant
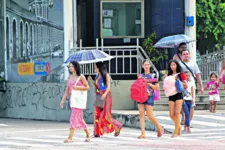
[[157, 56]]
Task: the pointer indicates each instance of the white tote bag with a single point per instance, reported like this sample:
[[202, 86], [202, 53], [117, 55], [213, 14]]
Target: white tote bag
[[78, 98]]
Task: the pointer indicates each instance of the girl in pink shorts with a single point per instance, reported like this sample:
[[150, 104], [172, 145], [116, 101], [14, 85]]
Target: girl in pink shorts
[[214, 96]]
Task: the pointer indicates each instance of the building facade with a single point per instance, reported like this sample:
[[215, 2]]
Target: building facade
[[30, 35]]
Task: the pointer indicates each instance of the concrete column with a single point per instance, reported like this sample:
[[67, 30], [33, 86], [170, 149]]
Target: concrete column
[[190, 10], [4, 39], [68, 31], [75, 23]]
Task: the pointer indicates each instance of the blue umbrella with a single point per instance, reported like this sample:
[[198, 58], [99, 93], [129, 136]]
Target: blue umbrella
[[173, 41], [88, 56]]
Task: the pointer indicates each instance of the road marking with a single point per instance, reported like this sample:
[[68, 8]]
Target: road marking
[[12, 143], [3, 125], [36, 140], [211, 117], [196, 122], [212, 137], [28, 131]]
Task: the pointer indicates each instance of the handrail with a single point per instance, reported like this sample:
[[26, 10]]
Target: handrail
[[211, 62], [141, 54]]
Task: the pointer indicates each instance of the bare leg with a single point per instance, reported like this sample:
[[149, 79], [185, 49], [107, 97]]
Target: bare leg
[[88, 137], [178, 106], [70, 138], [141, 108], [211, 106], [171, 109], [215, 104], [154, 120]]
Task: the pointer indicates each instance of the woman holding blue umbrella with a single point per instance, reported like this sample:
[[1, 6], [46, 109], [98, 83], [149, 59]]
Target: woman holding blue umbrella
[[76, 117], [103, 122]]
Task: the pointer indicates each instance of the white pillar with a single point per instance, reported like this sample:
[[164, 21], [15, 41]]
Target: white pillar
[[68, 31], [190, 10], [75, 23], [5, 52]]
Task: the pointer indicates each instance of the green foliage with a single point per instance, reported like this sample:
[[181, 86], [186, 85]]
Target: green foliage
[[210, 22], [157, 56]]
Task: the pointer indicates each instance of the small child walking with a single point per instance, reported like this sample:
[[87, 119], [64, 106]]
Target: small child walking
[[189, 99], [214, 96]]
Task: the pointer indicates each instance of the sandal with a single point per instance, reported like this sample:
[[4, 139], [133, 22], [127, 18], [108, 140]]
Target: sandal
[[182, 122], [95, 136], [142, 137], [68, 141], [160, 133], [88, 139], [117, 133], [174, 136]]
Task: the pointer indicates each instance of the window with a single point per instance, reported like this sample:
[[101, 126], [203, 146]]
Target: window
[[122, 18]]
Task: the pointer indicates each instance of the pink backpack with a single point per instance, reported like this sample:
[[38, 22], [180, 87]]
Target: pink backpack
[[169, 85], [138, 90]]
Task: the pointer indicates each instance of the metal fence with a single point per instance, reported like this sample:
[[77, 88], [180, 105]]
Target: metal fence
[[211, 62], [127, 60]]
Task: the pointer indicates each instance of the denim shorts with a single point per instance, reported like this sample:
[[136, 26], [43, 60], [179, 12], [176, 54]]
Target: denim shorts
[[150, 101]]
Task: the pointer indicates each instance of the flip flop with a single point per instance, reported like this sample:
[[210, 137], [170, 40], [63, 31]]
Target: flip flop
[[88, 139], [174, 136], [141, 137], [160, 133], [117, 133], [68, 141]]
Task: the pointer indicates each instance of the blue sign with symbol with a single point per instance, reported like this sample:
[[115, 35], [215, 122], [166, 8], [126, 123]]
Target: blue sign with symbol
[[41, 68]]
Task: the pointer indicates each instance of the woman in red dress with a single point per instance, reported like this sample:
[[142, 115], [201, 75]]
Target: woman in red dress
[[103, 122]]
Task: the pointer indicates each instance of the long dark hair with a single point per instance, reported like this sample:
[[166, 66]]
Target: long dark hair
[[103, 70], [76, 66], [178, 70]]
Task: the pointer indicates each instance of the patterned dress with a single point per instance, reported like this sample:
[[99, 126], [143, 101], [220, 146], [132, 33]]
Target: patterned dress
[[76, 117], [104, 123]]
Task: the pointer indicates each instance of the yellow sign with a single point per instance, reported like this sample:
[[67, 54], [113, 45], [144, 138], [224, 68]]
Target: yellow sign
[[26, 69]]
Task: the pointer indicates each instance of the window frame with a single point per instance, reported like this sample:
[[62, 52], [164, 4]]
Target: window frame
[[123, 1]]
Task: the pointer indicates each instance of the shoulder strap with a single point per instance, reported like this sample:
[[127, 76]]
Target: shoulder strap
[[77, 80], [187, 67]]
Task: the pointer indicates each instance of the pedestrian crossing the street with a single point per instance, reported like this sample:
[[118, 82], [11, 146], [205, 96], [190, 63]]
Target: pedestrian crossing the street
[[205, 127]]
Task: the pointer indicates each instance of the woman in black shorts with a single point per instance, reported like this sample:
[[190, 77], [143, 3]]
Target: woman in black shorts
[[175, 101]]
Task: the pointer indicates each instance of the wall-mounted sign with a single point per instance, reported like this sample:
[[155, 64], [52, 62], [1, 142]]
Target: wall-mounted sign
[[41, 68], [107, 13], [26, 69]]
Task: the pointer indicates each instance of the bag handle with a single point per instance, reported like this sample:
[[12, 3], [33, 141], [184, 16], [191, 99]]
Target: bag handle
[[77, 81]]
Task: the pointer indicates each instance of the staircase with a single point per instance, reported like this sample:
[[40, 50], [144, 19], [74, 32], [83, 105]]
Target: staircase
[[202, 101]]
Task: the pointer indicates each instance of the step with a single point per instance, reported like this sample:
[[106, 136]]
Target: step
[[204, 83], [221, 91], [199, 106], [198, 98]]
